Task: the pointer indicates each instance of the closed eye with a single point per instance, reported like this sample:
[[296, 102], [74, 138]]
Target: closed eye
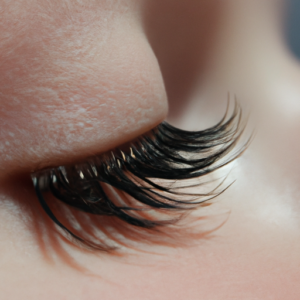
[[143, 184]]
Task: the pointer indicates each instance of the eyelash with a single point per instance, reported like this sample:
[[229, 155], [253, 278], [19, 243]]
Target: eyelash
[[108, 184]]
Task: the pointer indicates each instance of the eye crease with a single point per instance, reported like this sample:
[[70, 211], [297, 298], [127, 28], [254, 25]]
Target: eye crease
[[143, 184]]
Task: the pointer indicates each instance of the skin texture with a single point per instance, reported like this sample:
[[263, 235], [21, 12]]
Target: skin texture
[[128, 56], [58, 65]]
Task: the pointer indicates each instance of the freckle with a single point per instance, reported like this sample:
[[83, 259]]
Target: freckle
[[11, 134]]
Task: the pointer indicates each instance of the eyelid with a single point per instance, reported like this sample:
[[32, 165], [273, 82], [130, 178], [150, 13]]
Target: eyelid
[[97, 98], [163, 154]]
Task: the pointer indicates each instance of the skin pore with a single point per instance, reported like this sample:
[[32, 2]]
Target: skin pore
[[115, 63]]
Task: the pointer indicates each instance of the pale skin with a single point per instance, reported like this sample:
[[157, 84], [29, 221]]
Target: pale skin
[[80, 77]]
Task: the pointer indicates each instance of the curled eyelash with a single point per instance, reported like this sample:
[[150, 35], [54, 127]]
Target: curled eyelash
[[144, 184]]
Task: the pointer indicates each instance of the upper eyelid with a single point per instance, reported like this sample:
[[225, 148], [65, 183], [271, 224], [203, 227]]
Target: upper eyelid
[[218, 141], [54, 113]]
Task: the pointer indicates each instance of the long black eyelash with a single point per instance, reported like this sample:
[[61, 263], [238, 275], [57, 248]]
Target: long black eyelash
[[166, 153]]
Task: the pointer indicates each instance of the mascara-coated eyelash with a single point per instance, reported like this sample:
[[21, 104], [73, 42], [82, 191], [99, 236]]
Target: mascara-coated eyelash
[[140, 184]]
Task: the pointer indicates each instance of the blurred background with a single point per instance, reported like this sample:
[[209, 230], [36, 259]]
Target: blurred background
[[293, 26]]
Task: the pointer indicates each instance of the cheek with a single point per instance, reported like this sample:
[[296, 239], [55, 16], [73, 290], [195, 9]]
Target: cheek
[[68, 95]]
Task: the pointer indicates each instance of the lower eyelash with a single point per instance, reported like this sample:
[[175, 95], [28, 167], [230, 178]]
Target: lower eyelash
[[147, 174]]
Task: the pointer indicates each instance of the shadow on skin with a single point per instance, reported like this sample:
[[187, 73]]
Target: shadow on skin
[[182, 43]]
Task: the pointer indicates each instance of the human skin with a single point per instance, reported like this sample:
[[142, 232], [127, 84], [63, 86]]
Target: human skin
[[137, 53], [58, 65]]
